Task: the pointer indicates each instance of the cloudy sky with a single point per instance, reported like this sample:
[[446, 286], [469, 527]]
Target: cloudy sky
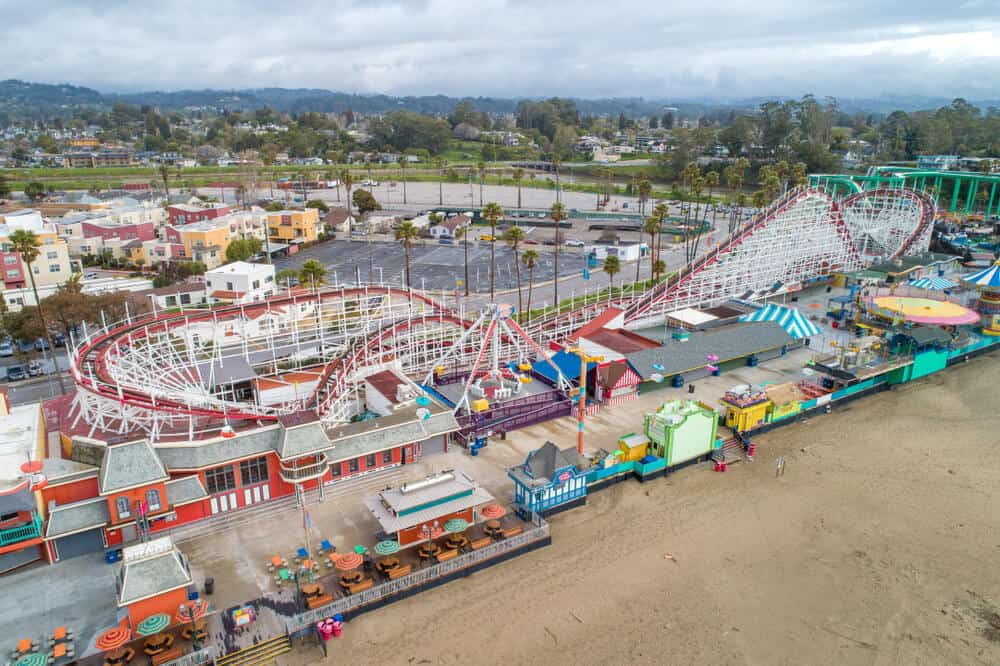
[[652, 48]]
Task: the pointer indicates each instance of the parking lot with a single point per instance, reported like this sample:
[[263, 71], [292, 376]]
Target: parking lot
[[434, 266]]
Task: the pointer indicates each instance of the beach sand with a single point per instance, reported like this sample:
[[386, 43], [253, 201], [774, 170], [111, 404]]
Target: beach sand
[[879, 545]]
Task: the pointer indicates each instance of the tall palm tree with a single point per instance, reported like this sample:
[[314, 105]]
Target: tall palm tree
[[25, 243], [558, 214], [402, 174], [759, 199], [660, 213], [514, 236], [164, 170], [530, 260], [493, 212], [799, 177], [781, 171], [652, 227], [556, 163], [518, 174], [645, 188], [462, 233], [441, 164], [697, 185], [348, 180], [406, 233], [481, 168], [612, 265]]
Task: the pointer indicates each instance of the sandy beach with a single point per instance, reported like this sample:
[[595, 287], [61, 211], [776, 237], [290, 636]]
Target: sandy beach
[[877, 546]]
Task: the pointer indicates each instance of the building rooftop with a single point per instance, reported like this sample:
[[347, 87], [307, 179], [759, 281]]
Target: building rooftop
[[426, 500], [151, 568], [81, 516], [241, 268], [20, 442], [185, 490], [129, 465]]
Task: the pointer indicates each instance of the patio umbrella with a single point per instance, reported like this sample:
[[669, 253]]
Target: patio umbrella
[[788, 318], [349, 561], [359, 549], [113, 638], [493, 511], [456, 525], [32, 659], [387, 547], [193, 610], [153, 624]]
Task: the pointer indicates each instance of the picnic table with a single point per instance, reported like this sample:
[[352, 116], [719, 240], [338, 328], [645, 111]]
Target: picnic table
[[119, 656], [157, 643], [428, 550], [387, 563], [25, 645], [199, 629], [351, 578], [455, 541], [492, 527], [312, 590]]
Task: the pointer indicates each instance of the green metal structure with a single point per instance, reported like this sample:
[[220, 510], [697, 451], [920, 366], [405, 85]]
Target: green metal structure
[[965, 186]]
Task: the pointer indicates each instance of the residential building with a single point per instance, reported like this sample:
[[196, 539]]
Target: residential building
[[182, 294], [339, 220], [52, 267], [293, 226], [22, 447], [190, 213], [449, 227], [203, 241], [240, 282]]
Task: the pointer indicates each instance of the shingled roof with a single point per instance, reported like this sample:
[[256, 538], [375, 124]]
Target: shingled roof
[[130, 465]]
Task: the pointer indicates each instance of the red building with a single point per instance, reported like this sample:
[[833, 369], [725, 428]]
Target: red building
[[14, 276], [142, 231], [188, 213]]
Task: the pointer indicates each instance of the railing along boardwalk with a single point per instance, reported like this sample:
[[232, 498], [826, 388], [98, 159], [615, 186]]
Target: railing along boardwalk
[[414, 580]]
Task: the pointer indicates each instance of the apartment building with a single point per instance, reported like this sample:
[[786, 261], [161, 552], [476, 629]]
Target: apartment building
[[190, 213], [293, 226], [240, 282], [52, 267]]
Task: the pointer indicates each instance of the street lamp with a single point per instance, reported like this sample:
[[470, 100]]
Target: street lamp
[[189, 613], [582, 392]]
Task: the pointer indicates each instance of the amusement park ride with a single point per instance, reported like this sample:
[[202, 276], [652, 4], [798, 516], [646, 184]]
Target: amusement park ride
[[305, 355]]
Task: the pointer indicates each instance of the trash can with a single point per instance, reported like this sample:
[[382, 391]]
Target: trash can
[[209, 586]]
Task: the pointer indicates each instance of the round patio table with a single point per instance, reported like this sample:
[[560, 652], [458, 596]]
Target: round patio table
[[427, 550], [492, 527], [312, 590], [353, 578], [387, 563]]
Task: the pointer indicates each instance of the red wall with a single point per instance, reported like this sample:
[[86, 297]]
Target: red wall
[[142, 231], [168, 602], [67, 493], [414, 534], [137, 495]]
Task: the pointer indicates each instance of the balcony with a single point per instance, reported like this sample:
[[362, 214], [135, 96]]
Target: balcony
[[13, 535], [298, 472]]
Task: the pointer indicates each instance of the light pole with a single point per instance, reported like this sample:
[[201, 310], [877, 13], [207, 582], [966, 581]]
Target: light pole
[[188, 612], [582, 395]]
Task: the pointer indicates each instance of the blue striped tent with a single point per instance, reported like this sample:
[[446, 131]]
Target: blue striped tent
[[789, 319], [934, 283], [988, 278]]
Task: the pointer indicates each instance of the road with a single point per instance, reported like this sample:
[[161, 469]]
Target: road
[[35, 388]]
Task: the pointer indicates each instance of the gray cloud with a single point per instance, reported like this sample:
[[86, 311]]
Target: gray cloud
[[727, 48]]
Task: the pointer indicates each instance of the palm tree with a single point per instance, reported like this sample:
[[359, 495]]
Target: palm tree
[[461, 233], [660, 213], [348, 180], [530, 260], [652, 227], [759, 199], [781, 171], [712, 180], [312, 272], [514, 236], [402, 176], [645, 188], [406, 233], [518, 175], [799, 177], [612, 265], [164, 170], [25, 243], [697, 185], [481, 168], [492, 212], [441, 164], [558, 214]]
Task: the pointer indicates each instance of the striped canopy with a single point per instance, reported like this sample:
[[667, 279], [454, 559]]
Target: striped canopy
[[988, 278], [789, 319], [935, 283]]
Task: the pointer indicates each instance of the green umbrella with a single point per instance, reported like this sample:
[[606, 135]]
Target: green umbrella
[[359, 549], [456, 525], [387, 547], [33, 659], [153, 624]]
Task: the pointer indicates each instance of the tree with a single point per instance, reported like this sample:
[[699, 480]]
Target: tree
[[365, 202], [514, 236], [34, 190], [274, 207], [667, 121], [558, 214], [164, 170], [441, 165], [799, 177], [759, 199], [651, 226], [406, 233], [283, 276], [4, 187], [481, 169], [319, 205], [312, 273], [462, 233], [348, 180], [556, 163], [492, 212], [660, 213], [645, 188], [242, 249], [530, 260], [518, 175], [612, 265], [25, 243]]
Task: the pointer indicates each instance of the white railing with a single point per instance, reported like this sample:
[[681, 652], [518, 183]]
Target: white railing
[[417, 578]]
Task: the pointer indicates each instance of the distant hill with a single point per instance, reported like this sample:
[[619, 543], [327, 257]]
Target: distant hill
[[42, 99]]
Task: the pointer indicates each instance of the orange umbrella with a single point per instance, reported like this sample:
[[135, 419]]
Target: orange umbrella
[[193, 610], [113, 638], [349, 561]]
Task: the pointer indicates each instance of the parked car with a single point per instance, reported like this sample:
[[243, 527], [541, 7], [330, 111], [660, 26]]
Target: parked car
[[34, 368], [446, 241], [16, 373], [7, 348], [574, 242], [486, 238], [26, 345], [41, 344], [528, 241], [89, 276]]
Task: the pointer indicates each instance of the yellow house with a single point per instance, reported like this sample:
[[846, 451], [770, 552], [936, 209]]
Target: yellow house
[[51, 267], [293, 226], [205, 242]]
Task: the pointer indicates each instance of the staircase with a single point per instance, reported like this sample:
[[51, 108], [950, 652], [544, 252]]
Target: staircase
[[732, 451], [264, 653]]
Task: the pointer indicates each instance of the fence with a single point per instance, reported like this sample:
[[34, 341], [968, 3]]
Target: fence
[[203, 656], [418, 578]]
